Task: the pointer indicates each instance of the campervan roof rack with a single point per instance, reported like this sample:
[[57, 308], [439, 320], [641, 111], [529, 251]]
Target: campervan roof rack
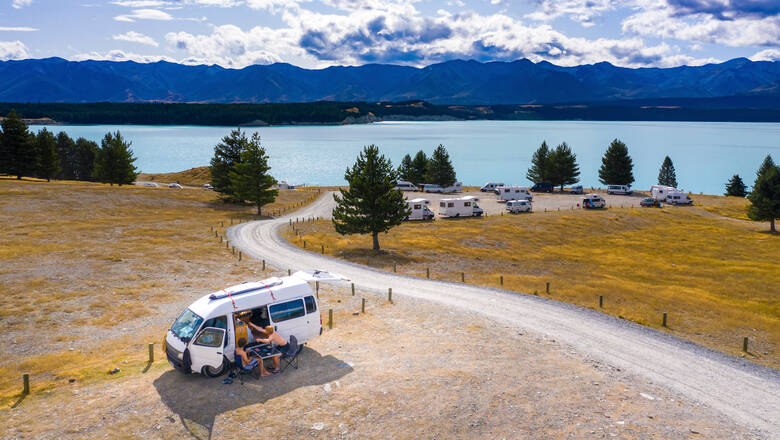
[[266, 285]]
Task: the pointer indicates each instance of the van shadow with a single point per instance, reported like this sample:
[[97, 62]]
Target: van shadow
[[198, 400]]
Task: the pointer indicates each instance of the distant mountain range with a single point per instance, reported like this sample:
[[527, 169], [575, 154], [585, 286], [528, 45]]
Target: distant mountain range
[[453, 82]]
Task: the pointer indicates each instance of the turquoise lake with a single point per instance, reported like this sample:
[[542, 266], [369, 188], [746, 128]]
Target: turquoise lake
[[705, 154]]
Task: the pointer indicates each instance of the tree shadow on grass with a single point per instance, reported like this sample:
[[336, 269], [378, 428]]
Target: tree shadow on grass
[[198, 400]]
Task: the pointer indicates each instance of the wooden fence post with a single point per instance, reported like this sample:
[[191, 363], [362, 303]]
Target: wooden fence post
[[239, 255], [363, 305], [501, 279], [289, 272], [395, 268], [547, 287], [263, 265], [745, 344], [462, 277], [353, 289], [663, 324], [330, 318], [322, 249], [601, 301], [151, 352], [390, 295], [317, 284], [25, 384], [428, 273]]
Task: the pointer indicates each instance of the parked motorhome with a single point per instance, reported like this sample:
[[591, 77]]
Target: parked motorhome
[[284, 185], [659, 192], [433, 188], [676, 197], [420, 210], [591, 201], [460, 207], [504, 193], [490, 186], [203, 338], [619, 189], [517, 206], [406, 186]]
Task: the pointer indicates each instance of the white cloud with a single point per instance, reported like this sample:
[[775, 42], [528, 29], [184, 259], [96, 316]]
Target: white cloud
[[766, 55], [145, 14], [582, 11], [13, 50], [118, 55], [135, 37], [229, 46], [18, 29], [18, 4], [141, 3]]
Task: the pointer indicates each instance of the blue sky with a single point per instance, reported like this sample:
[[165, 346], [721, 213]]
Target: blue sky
[[321, 33]]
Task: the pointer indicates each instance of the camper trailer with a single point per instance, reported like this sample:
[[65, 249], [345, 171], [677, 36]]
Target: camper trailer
[[490, 186], [433, 188], [460, 207], [203, 337], [420, 210], [505, 193], [406, 186], [659, 192], [518, 206], [593, 201], [676, 197]]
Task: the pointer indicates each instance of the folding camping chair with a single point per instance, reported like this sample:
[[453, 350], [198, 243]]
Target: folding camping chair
[[291, 356], [238, 369]]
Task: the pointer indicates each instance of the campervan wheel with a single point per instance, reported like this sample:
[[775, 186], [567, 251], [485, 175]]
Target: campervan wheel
[[216, 372]]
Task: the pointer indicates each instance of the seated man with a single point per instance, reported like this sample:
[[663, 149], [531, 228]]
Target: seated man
[[247, 363], [279, 341]]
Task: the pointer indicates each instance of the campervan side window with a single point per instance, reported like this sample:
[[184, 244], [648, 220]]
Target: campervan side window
[[442, 204], [506, 190], [210, 337], [218, 322], [287, 310], [450, 204], [417, 206], [467, 204], [311, 305]]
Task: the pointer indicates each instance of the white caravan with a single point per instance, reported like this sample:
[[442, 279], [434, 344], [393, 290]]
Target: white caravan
[[203, 338], [676, 197], [490, 186], [505, 193], [517, 206], [460, 207], [406, 186], [619, 189], [420, 210], [433, 188], [659, 192]]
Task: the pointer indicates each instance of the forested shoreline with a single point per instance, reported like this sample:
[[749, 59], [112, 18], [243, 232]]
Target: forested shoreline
[[333, 112]]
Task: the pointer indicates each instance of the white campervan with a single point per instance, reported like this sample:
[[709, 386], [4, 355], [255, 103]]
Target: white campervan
[[284, 185], [406, 186], [420, 210], [504, 193], [593, 201], [659, 192], [676, 197], [433, 188], [619, 189], [460, 207], [517, 206], [490, 186], [203, 338]]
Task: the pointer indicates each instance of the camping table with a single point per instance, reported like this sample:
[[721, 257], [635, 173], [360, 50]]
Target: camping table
[[264, 351]]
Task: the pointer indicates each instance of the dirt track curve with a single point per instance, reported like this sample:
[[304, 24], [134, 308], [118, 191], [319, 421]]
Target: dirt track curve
[[747, 392]]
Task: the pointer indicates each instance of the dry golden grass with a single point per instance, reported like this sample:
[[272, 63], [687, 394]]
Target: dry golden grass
[[102, 270], [717, 278], [734, 207], [197, 176]]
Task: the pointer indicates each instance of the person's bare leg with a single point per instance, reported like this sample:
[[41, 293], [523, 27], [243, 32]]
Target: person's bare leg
[[263, 371], [276, 363]]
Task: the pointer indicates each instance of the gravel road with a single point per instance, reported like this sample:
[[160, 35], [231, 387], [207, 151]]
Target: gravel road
[[746, 392]]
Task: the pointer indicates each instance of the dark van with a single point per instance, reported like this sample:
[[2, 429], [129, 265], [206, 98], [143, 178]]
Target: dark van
[[542, 187]]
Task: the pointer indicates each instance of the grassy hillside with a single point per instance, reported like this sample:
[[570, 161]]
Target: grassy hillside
[[193, 177], [716, 277]]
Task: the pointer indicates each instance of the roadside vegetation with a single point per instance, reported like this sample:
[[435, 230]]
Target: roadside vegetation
[[716, 278], [92, 273]]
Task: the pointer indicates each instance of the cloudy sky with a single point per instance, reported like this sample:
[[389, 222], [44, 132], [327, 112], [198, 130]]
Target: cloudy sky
[[320, 33]]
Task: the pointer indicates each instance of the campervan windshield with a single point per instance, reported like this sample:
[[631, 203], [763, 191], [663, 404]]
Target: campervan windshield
[[186, 324]]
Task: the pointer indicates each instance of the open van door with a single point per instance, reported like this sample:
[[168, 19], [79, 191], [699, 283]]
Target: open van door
[[206, 350], [318, 275]]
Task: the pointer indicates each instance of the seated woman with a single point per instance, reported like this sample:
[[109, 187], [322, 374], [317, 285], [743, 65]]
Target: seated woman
[[279, 341], [247, 363]]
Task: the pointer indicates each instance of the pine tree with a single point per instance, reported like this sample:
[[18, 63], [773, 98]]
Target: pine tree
[[48, 159], [765, 197], [667, 176], [539, 171], [563, 168], [114, 161], [249, 178], [765, 165], [405, 169], [419, 168], [66, 150], [736, 187], [371, 204], [84, 159], [226, 155], [18, 157], [440, 170], [616, 165]]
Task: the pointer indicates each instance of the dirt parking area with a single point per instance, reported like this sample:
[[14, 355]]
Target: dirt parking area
[[542, 201], [411, 369]]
